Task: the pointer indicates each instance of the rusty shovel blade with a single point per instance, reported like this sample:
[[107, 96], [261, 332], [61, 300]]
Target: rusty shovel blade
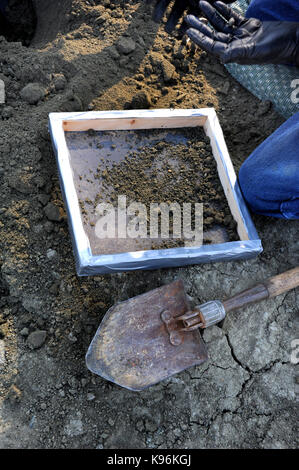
[[132, 346]]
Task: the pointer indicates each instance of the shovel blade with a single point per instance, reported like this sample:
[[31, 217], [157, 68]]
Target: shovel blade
[[132, 346]]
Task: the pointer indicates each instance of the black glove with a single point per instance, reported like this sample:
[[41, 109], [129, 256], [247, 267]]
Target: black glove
[[244, 41], [177, 11]]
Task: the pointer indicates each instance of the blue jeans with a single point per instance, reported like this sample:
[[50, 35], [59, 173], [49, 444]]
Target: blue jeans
[[274, 10], [269, 178]]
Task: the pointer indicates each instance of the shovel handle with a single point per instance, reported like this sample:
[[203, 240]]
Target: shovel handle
[[266, 290], [283, 282]]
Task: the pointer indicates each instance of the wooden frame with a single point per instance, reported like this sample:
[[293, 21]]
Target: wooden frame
[[89, 264]]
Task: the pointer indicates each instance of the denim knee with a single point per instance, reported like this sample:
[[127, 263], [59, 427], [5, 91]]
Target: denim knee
[[247, 176], [267, 192], [268, 10]]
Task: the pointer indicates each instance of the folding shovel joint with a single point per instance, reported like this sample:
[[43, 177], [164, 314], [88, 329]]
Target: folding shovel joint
[[202, 316]]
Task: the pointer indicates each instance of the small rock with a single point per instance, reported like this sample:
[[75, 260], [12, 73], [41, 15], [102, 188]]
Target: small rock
[[24, 332], [7, 112], [32, 93], [113, 52], [263, 108], [37, 339], [90, 396], [74, 427], [72, 338], [59, 82], [21, 182], [54, 288], [84, 382], [140, 101], [43, 198], [32, 304], [52, 212], [51, 254], [167, 68], [126, 46]]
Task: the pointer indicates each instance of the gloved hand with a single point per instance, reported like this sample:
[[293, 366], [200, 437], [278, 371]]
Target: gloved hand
[[178, 9], [244, 41]]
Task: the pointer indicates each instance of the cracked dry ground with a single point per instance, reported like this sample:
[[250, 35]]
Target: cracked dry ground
[[245, 395]]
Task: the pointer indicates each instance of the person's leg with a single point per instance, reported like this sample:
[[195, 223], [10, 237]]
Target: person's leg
[[270, 10], [269, 178]]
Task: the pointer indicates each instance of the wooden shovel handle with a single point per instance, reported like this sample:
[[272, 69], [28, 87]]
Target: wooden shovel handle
[[268, 289], [283, 282]]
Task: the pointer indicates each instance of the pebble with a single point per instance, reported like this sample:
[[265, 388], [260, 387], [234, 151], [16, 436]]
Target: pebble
[[7, 112], [32, 93], [126, 46], [140, 100], [52, 212], [24, 332], [54, 288], [59, 82], [36, 339], [90, 396], [72, 338], [43, 199], [51, 254]]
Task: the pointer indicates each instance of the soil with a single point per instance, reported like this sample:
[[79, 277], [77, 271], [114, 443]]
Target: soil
[[20, 21], [103, 55], [148, 167]]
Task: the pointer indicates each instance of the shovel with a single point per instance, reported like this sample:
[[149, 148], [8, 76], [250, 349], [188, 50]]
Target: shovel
[[150, 337]]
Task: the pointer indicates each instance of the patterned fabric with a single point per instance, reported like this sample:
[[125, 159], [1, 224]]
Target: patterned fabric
[[275, 83]]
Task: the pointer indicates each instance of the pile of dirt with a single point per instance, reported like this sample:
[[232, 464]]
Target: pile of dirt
[[168, 172]]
